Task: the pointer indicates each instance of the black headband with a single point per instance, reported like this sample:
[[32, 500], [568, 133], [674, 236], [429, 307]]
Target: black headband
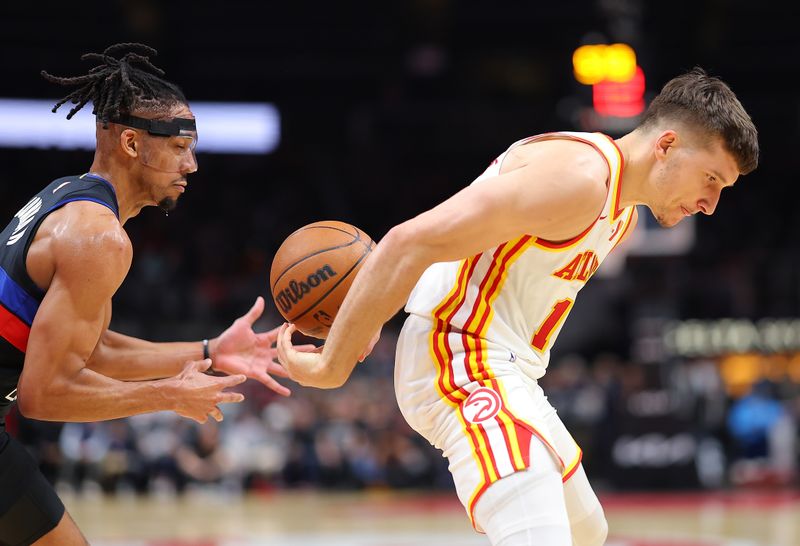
[[158, 127]]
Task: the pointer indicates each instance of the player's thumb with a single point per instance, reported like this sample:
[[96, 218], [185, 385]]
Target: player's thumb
[[202, 366], [232, 380]]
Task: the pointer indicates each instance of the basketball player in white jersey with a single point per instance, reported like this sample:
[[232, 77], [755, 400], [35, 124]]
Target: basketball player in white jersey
[[488, 278]]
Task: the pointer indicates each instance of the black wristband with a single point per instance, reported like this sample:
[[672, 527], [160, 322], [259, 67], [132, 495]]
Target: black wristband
[[207, 355]]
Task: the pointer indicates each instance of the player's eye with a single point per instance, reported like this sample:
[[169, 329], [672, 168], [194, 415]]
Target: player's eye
[[183, 144]]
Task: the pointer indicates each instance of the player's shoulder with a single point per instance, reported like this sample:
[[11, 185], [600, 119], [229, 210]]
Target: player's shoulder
[[580, 171], [86, 248], [577, 153], [88, 230], [64, 184]]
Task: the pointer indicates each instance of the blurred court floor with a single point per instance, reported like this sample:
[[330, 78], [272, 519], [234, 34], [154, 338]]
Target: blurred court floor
[[407, 519]]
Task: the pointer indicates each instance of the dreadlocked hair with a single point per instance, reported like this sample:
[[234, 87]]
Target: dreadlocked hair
[[120, 85]]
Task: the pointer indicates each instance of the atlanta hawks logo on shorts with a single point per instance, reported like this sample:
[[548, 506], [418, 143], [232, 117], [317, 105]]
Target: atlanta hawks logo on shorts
[[481, 405]]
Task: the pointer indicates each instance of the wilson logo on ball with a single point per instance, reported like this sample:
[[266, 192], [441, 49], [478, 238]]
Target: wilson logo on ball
[[296, 290], [312, 271]]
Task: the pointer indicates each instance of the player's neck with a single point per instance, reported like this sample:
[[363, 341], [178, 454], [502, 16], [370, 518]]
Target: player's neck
[[119, 178], [636, 172]]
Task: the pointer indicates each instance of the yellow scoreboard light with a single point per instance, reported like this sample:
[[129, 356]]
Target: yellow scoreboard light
[[600, 62]]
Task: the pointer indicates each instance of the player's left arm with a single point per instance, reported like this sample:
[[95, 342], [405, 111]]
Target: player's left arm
[[128, 358], [238, 350], [555, 197]]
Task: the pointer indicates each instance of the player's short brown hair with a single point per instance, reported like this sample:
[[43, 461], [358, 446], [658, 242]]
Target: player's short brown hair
[[708, 104]]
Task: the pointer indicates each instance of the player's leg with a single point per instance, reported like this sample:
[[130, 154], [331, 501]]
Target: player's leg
[[526, 508], [490, 431], [586, 517], [30, 510]]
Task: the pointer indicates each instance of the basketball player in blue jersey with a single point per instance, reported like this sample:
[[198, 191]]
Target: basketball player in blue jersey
[[488, 278], [63, 256]]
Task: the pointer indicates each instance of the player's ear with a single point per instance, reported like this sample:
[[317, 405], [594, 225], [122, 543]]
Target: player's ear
[[129, 142], [666, 140]]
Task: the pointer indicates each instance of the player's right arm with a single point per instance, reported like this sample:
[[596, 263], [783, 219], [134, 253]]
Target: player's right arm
[[90, 256], [556, 190]]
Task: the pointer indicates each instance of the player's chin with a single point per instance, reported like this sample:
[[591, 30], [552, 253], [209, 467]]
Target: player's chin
[[668, 222], [168, 203]]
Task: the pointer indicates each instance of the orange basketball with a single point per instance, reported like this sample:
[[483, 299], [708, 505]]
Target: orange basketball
[[312, 271]]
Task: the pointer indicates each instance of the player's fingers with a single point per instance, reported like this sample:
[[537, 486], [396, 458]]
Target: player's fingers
[[273, 385], [255, 311], [231, 380], [275, 368], [216, 414], [269, 337], [284, 344], [307, 348], [371, 346], [202, 365], [279, 343], [230, 398]]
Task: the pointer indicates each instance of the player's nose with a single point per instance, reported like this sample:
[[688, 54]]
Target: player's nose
[[189, 165], [709, 204]]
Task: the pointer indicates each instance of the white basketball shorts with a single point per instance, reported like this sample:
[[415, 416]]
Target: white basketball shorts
[[473, 402]]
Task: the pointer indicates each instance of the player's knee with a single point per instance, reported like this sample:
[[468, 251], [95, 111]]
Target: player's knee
[[591, 530], [526, 509]]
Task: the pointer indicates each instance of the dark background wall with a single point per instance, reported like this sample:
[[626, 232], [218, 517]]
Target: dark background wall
[[388, 108]]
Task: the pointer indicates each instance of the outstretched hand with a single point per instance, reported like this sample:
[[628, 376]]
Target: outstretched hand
[[197, 396], [240, 350], [307, 367], [303, 367]]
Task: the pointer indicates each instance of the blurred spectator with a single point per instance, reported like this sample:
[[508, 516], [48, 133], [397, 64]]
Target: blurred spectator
[[257, 444], [83, 445], [751, 418], [200, 459], [354, 437], [122, 468], [763, 432]]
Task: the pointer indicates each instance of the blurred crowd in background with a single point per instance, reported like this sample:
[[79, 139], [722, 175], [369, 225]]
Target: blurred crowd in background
[[641, 427], [386, 109]]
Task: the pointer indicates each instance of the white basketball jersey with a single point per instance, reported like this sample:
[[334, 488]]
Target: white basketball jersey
[[516, 296]]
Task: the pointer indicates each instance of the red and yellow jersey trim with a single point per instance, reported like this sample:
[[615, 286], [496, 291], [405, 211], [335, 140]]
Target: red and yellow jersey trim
[[613, 186], [625, 229], [477, 324], [440, 349], [516, 433], [564, 245], [570, 469], [616, 178]]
